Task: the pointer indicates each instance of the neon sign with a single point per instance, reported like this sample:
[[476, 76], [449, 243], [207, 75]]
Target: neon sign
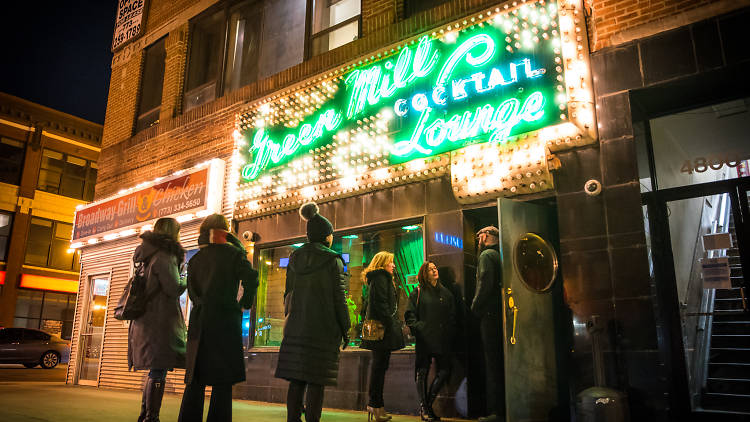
[[449, 240], [488, 83]]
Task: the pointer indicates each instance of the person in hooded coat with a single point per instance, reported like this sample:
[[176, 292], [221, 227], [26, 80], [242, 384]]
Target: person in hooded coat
[[215, 354], [382, 306], [156, 339], [317, 319]]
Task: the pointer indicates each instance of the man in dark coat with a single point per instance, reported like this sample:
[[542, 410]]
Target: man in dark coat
[[215, 354], [317, 318], [486, 306], [156, 339]]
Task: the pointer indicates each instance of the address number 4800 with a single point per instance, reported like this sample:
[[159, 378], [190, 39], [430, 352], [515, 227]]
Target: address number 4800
[[701, 164]]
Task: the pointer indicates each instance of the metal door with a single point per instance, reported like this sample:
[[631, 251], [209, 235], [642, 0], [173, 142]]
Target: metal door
[[92, 331], [532, 300]]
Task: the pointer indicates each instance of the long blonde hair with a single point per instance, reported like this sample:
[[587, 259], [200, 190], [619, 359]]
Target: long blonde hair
[[379, 261]]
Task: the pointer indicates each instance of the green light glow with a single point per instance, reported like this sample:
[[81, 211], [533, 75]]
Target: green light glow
[[410, 228], [350, 236], [480, 84]]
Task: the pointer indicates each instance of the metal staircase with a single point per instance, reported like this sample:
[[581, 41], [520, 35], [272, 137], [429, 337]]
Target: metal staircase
[[727, 385]]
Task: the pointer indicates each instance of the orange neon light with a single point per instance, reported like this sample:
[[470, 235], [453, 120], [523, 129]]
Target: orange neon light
[[31, 281], [2, 278]]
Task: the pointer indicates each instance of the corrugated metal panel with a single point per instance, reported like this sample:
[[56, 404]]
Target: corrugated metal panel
[[115, 256]]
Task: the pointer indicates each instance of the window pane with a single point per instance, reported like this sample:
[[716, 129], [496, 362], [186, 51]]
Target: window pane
[[412, 7], [38, 242], [5, 222], [29, 304], [328, 13], [205, 50], [49, 181], [63, 231], [72, 186], [89, 190], [3, 249], [334, 39], [284, 41], [245, 24], [357, 250], [11, 161], [62, 255], [153, 77], [701, 145]]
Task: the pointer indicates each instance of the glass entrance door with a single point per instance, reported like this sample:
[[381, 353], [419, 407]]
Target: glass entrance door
[[700, 255], [92, 331]]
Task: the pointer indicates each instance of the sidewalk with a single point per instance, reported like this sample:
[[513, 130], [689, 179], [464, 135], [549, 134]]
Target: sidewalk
[[40, 401]]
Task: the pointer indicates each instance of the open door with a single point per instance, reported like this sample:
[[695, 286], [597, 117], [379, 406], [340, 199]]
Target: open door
[[532, 305]]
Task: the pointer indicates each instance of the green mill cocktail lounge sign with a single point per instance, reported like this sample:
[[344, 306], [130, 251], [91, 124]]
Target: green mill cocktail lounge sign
[[486, 100]]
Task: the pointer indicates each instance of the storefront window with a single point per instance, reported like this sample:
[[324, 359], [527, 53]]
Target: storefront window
[[48, 245], [702, 145], [47, 311], [67, 175], [357, 249]]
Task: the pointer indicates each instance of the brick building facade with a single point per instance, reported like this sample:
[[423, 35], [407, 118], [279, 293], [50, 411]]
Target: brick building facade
[[648, 59]]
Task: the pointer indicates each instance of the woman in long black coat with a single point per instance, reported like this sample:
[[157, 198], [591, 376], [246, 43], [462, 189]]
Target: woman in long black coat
[[382, 306], [317, 319], [215, 355], [156, 340], [431, 317]]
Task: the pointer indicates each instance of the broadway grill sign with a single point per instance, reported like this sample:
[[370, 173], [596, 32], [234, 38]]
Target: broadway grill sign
[[485, 83], [178, 195]]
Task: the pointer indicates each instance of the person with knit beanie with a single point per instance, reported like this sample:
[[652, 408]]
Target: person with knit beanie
[[317, 318]]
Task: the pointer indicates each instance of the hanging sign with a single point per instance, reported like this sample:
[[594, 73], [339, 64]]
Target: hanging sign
[[716, 273], [130, 21], [483, 83]]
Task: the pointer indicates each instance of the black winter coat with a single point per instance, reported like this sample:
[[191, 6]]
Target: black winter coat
[[431, 317], [488, 297], [156, 340], [214, 347], [459, 338], [317, 318], [382, 304]]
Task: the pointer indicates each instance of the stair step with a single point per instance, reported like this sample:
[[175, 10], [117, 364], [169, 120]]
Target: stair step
[[728, 386], [729, 355], [729, 304], [729, 370], [731, 315], [723, 401], [730, 327], [728, 293], [730, 340]]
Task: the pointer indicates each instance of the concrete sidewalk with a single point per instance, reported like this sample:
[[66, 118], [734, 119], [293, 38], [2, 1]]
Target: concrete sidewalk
[[40, 401]]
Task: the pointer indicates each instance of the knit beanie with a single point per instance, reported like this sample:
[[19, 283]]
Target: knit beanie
[[318, 227]]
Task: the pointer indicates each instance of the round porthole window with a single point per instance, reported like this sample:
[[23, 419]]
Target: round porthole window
[[535, 262]]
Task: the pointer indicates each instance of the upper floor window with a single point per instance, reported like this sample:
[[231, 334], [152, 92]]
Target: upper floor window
[[48, 245], [412, 7], [334, 23], [152, 82], [224, 51], [11, 161], [6, 219], [67, 175]]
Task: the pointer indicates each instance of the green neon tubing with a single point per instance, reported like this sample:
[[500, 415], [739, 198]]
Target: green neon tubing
[[465, 50]]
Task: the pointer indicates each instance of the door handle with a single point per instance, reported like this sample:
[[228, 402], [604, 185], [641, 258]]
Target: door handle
[[514, 308]]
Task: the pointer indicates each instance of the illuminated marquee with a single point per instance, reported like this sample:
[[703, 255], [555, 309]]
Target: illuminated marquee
[[504, 77]]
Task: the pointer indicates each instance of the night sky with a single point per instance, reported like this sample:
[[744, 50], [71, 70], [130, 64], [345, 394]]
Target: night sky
[[58, 54]]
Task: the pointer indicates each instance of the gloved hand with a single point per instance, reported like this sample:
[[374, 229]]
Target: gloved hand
[[345, 339], [246, 302]]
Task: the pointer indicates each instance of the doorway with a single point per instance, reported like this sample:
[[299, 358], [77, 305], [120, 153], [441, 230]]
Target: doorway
[[92, 330], [700, 254]]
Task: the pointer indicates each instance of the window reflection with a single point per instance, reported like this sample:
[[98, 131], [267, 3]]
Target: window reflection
[[357, 249]]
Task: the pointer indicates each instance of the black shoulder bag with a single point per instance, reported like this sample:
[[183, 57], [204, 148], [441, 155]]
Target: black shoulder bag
[[132, 303]]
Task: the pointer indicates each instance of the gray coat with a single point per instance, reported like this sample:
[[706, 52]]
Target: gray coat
[[156, 340], [317, 318], [488, 297]]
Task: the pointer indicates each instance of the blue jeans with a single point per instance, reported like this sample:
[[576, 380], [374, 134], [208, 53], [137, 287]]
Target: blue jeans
[[157, 374]]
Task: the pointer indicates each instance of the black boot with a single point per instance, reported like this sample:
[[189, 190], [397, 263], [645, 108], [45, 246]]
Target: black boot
[[142, 416], [423, 396], [153, 394], [437, 384]]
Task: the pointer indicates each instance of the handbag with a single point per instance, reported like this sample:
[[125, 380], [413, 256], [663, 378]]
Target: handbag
[[132, 303], [372, 330]]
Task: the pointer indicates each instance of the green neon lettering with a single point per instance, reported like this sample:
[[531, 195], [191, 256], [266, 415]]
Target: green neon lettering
[[498, 122], [464, 50]]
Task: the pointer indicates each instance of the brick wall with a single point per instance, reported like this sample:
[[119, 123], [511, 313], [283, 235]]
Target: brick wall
[[614, 22], [174, 76]]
